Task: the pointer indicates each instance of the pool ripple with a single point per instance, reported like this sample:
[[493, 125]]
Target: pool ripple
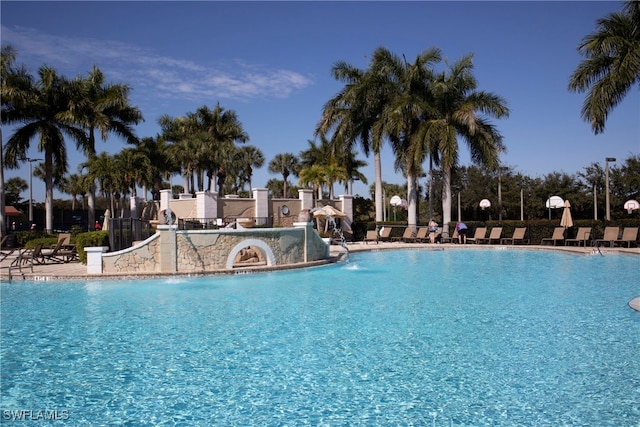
[[394, 338]]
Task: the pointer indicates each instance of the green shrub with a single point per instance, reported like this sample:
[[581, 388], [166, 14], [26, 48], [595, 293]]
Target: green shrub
[[90, 239]]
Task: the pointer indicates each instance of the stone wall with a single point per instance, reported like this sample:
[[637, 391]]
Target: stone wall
[[196, 251]]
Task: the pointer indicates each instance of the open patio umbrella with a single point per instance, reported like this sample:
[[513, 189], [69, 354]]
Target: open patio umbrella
[[566, 220], [328, 211]]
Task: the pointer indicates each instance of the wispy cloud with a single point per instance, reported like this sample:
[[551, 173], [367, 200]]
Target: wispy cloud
[[165, 77]]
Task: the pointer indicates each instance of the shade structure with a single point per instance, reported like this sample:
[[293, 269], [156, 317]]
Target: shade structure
[[566, 220], [11, 211], [328, 211], [107, 216]]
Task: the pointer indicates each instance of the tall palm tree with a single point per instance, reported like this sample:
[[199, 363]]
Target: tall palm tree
[[161, 162], [314, 176], [284, 164], [353, 112], [74, 185], [101, 107], [16, 85], [463, 111], [611, 67], [103, 169], [43, 116], [251, 157], [410, 104]]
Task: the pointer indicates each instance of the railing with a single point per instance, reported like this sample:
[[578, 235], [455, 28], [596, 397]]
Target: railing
[[226, 222], [124, 231]]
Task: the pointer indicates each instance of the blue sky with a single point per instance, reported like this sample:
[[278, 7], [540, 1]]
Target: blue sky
[[270, 62]]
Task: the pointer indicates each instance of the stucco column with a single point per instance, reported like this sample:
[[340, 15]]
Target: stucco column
[[347, 208], [94, 258], [306, 198], [165, 196], [261, 197], [168, 248], [207, 204]]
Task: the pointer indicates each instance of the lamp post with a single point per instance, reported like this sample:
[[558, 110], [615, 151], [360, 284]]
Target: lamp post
[[30, 160], [606, 184]]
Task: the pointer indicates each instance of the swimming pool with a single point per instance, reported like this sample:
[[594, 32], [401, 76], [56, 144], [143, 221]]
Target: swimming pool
[[407, 337]]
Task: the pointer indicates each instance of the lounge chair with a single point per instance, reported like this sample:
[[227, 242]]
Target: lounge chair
[[451, 239], [5, 252], [610, 236], [629, 237], [385, 234], [480, 233], [582, 237], [496, 233], [372, 236], [518, 237], [30, 257], [422, 236], [408, 235], [60, 253], [557, 237]]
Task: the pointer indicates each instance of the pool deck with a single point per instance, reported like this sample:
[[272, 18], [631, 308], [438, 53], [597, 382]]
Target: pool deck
[[75, 270]]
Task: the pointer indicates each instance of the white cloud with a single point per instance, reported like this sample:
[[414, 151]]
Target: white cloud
[[146, 72]]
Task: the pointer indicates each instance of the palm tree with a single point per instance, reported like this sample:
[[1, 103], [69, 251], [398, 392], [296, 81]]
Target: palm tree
[[74, 185], [315, 176], [16, 85], [611, 67], [462, 111], [161, 162], [251, 157], [101, 107], [42, 116], [353, 113], [410, 105], [284, 164]]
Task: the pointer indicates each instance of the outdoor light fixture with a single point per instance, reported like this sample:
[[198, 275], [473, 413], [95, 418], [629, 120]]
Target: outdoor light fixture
[[606, 190]]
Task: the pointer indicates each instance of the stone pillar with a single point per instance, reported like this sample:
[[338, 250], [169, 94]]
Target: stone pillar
[[306, 198], [261, 197], [207, 204], [168, 248], [94, 258], [308, 228], [347, 208], [165, 197]]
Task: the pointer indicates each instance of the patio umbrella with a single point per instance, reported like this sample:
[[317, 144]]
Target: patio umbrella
[[328, 211], [107, 216], [566, 220]]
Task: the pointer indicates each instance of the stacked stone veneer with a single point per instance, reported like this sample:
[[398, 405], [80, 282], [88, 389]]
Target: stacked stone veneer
[[196, 251]]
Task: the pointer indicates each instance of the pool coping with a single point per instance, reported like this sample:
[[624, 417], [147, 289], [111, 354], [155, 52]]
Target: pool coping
[[77, 271]]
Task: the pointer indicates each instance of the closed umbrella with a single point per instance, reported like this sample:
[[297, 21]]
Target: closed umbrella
[[566, 220], [107, 216]]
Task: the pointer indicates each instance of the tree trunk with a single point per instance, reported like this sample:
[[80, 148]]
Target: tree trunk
[[91, 206], [378, 188], [48, 197], [446, 201], [412, 200]]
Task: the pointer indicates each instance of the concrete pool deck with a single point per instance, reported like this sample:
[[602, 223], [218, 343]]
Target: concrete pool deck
[[75, 270]]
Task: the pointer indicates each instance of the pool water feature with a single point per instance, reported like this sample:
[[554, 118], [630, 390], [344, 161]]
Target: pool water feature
[[408, 337]]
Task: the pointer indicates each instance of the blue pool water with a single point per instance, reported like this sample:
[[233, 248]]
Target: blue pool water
[[415, 337]]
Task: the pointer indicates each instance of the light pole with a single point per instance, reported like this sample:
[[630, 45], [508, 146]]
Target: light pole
[[606, 184], [30, 160]]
